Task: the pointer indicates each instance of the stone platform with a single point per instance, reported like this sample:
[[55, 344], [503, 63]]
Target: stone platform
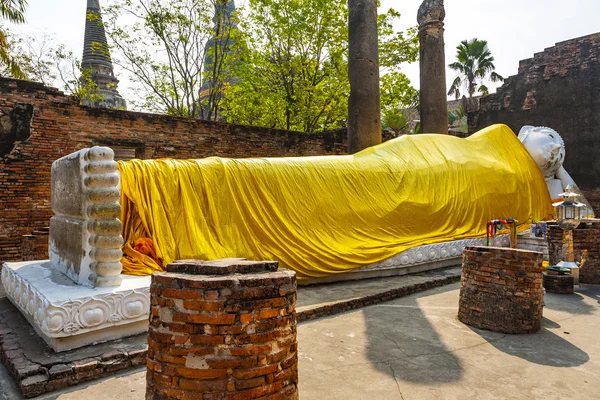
[[67, 315]]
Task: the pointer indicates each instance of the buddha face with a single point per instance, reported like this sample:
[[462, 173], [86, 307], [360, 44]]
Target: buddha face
[[545, 146]]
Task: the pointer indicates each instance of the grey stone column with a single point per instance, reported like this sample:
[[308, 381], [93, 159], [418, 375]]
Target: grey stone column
[[432, 64], [364, 112]]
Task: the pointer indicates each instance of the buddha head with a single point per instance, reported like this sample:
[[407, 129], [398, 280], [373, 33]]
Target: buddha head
[[545, 146]]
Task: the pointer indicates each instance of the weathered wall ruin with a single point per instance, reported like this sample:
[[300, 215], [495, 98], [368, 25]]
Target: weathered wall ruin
[[558, 88], [39, 125]]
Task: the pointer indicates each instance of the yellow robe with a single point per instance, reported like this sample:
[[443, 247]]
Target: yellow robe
[[326, 215]]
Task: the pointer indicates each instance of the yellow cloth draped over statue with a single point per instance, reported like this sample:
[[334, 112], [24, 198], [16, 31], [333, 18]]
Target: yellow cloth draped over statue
[[329, 214]]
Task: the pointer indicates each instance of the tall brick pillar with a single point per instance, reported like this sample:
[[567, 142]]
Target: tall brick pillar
[[222, 329], [586, 246]]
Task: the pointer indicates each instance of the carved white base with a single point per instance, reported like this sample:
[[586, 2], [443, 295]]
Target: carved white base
[[67, 315], [417, 259]]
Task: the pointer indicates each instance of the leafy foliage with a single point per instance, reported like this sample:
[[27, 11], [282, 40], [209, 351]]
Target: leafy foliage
[[42, 60], [293, 73], [163, 46], [458, 119], [12, 11], [294, 69], [474, 64]]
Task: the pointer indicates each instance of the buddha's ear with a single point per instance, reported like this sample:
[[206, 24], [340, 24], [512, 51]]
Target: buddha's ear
[[555, 147]]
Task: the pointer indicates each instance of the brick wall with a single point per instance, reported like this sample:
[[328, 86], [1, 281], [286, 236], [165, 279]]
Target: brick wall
[[223, 337], [558, 88], [35, 245], [39, 125], [501, 289], [585, 238]]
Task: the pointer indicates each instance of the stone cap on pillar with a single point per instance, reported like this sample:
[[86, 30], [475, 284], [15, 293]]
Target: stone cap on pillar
[[225, 266]]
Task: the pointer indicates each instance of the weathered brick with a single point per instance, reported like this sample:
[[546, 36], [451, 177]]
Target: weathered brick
[[508, 297], [212, 319], [229, 358]]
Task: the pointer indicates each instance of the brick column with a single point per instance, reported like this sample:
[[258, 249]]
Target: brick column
[[35, 245], [501, 289], [223, 329], [554, 236], [586, 239]]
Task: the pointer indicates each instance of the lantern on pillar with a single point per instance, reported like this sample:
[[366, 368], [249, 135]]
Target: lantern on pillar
[[569, 213]]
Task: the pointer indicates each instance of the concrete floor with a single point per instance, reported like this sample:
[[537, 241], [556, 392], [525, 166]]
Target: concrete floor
[[414, 348]]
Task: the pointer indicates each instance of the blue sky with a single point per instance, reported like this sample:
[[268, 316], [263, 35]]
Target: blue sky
[[514, 29]]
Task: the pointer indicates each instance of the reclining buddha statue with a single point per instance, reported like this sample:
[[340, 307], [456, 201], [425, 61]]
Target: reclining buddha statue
[[547, 148], [328, 214]]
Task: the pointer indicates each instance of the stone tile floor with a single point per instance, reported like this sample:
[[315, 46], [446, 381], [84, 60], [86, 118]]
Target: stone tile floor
[[415, 348]]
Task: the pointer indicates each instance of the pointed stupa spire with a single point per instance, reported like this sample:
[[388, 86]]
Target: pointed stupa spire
[[96, 56], [224, 15]]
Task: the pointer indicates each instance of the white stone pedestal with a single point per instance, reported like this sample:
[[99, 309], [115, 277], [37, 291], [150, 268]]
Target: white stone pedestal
[[67, 315]]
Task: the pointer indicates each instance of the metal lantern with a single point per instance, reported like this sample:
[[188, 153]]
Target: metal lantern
[[569, 213]]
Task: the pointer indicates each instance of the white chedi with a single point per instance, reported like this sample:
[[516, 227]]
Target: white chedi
[[547, 148]]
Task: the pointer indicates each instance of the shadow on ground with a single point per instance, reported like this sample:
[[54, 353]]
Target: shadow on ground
[[407, 346], [543, 347], [591, 291]]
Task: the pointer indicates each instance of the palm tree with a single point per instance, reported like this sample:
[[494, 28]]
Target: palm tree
[[474, 64], [11, 10]]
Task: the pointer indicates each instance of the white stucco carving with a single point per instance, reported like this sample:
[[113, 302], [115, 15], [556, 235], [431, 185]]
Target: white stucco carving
[[59, 308], [431, 253], [85, 232]]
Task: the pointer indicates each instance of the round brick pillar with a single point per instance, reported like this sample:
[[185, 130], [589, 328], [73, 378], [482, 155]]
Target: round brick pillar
[[501, 289], [222, 329]]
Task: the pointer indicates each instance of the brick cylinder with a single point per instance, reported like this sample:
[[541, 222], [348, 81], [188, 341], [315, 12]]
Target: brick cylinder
[[224, 329], [501, 289], [561, 284]]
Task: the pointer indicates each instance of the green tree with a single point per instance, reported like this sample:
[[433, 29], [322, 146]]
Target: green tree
[[12, 11], [293, 69], [474, 65], [42, 60], [293, 74], [398, 96], [163, 46]]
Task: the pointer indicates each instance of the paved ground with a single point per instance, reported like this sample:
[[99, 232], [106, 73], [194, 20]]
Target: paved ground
[[415, 348]]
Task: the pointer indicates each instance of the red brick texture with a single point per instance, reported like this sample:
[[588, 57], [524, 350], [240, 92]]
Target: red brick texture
[[586, 239], [555, 238], [60, 126], [34, 378], [222, 337], [561, 284], [501, 289], [35, 245]]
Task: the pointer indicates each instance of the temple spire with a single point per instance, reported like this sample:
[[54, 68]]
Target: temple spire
[[96, 57], [216, 47]]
